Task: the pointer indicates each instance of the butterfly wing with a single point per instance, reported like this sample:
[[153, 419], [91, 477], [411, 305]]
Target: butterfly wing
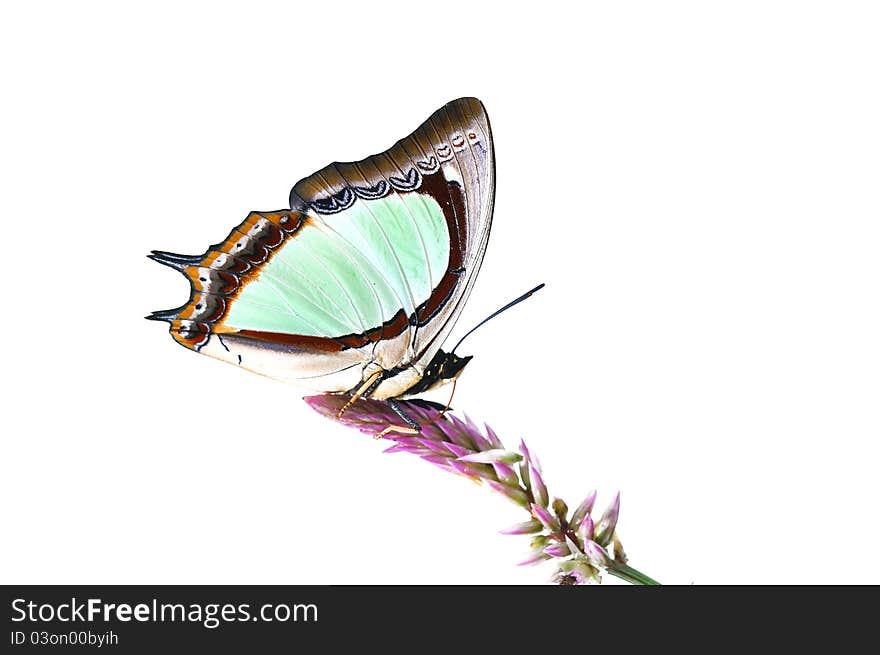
[[368, 270]]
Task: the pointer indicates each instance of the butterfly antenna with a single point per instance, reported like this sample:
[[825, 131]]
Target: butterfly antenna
[[527, 294]]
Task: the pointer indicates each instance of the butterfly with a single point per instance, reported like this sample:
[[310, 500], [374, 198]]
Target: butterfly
[[355, 287]]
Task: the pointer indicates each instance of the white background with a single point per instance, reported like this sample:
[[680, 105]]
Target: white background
[[697, 184]]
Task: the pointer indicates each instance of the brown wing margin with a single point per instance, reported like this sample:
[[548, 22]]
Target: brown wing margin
[[216, 276]]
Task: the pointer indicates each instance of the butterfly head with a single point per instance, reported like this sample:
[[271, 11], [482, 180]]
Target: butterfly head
[[444, 367], [451, 365]]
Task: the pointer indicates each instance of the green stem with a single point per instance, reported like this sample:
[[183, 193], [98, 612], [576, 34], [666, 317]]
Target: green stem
[[631, 575]]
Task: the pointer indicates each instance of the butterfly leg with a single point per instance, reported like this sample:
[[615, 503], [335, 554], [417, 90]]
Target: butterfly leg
[[411, 427], [364, 390], [414, 427], [448, 403]]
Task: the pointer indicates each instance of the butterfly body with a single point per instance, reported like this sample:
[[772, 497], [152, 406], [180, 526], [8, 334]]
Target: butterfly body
[[355, 287]]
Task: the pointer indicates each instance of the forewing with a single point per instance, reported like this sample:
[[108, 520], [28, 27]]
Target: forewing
[[448, 162]]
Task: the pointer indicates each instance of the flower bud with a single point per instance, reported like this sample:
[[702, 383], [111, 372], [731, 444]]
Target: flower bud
[[545, 517], [492, 456], [539, 489], [583, 509], [528, 527], [606, 525]]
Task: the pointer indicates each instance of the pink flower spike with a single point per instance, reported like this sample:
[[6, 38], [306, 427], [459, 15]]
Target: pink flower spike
[[579, 546], [528, 527], [539, 489], [545, 517], [608, 522], [584, 508]]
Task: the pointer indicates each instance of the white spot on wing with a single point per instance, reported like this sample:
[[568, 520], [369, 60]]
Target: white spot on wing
[[451, 173]]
